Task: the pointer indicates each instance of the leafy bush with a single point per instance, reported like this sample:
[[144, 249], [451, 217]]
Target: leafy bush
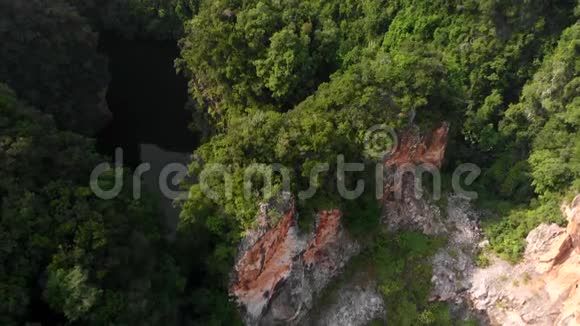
[[401, 266]]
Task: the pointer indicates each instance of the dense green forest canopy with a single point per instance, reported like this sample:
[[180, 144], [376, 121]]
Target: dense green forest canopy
[[49, 56], [91, 260], [289, 82], [156, 19], [465, 62]]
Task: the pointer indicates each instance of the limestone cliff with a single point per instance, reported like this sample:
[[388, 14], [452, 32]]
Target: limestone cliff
[[280, 271], [404, 207], [543, 288]]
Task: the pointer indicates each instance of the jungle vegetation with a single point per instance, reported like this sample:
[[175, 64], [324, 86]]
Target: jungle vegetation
[[271, 81]]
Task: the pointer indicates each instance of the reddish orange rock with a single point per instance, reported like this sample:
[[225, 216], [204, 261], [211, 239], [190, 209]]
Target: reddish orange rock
[[279, 271], [326, 232], [403, 206], [264, 265], [415, 149]]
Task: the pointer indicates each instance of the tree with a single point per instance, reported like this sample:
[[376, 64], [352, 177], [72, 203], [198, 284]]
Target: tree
[[91, 260], [150, 19], [49, 56]]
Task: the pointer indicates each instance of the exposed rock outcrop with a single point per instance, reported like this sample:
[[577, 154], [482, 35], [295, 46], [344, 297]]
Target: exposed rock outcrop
[[265, 265], [543, 288], [403, 202], [415, 148], [406, 207], [572, 212], [454, 264], [356, 305], [279, 271]]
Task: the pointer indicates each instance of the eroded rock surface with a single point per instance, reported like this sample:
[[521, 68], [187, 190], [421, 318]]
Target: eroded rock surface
[[403, 201], [279, 271], [412, 147], [543, 288], [454, 264], [356, 305], [267, 263]]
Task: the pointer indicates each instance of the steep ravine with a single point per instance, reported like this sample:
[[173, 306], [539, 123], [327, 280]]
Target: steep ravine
[[147, 99]]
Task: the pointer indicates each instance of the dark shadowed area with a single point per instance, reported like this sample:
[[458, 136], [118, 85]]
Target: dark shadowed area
[[146, 97]]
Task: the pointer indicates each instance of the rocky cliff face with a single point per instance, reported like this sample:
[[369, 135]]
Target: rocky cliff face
[[415, 148], [543, 288], [403, 201], [357, 304], [280, 271]]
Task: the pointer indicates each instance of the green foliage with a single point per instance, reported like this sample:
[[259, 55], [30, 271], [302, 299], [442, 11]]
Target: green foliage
[[401, 266], [545, 124], [102, 259], [420, 66], [404, 276], [293, 83], [157, 19], [286, 61], [49, 57], [507, 234], [214, 308], [69, 292], [482, 259], [331, 122], [257, 54], [270, 55], [488, 50], [376, 322], [362, 217]]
